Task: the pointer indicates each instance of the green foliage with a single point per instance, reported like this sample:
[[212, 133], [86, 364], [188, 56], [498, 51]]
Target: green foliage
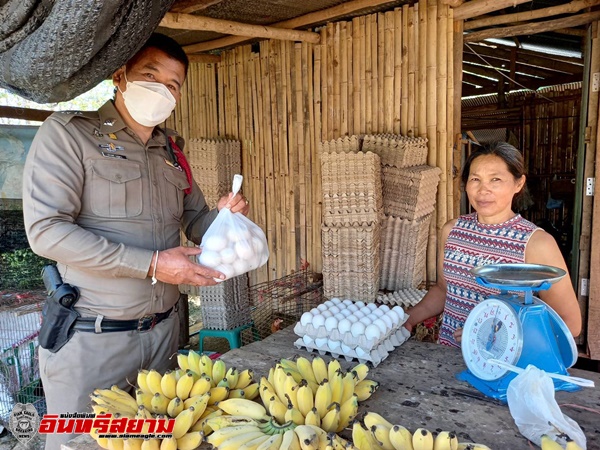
[[21, 269]]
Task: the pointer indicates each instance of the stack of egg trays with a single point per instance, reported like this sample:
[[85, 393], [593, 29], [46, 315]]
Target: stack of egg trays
[[396, 150], [409, 193], [373, 350], [405, 298], [226, 305], [345, 144], [403, 252]]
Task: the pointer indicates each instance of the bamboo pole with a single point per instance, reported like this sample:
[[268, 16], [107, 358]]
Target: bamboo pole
[[397, 70], [375, 99], [476, 8], [362, 73], [336, 80], [350, 70], [316, 163], [202, 23], [411, 51], [287, 185], [542, 13], [450, 116], [305, 21], [307, 87], [369, 104], [331, 126], [381, 70], [298, 218], [204, 58], [421, 32], [388, 72], [533, 28], [356, 74], [343, 81], [441, 114]]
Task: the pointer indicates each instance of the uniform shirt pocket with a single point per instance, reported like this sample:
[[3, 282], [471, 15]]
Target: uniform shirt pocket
[[116, 188], [176, 184]]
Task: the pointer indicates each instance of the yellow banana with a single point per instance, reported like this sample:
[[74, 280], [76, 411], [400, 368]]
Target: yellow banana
[[547, 443], [237, 442], [277, 409], [319, 369], [143, 398], [360, 372], [182, 361], [143, 412], [288, 364], [206, 365], [323, 398], [279, 381], [201, 386], [306, 370], [174, 407], [141, 380], [124, 395], [313, 418], [219, 422], [266, 390], [151, 444], [183, 422], [422, 439], [133, 444], [199, 403], [348, 384], [337, 387], [475, 446], [201, 424], [168, 384], [189, 441], [193, 361], [153, 379], [272, 443], [334, 366], [253, 444], [184, 385], [381, 434], [102, 442], [115, 444], [98, 410], [237, 393], [363, 440], [243, 407], [223, 383], [365, 388], [112, 405], [445, 440], [309, 439], [159, 403], [401, 438], [244, 379], [168, 444], [232, 376], [218, 394], [290, 441], [305, 398], [251, 391], [572, 445], [372, 418], [224, 434], [126, 401], [348, 411], [218, 370], [294, 415], [331, 420], [290, 388]]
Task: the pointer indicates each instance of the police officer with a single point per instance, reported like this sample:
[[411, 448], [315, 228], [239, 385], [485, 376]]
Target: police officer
[[106, 195]]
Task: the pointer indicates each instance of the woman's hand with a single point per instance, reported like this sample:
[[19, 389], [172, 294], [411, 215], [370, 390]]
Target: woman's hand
[[458, 335], [236, 203]]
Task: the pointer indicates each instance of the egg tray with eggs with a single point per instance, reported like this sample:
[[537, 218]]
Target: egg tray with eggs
[[405, 297], [354, 324]]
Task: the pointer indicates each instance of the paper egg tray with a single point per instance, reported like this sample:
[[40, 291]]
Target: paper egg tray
[[346, 144], [396, 150], [404, 298]]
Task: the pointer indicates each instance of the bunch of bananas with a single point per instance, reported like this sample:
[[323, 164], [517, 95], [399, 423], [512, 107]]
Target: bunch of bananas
[[547, 443], [381, 434], [248, 425], [188, 394], [315, 393]]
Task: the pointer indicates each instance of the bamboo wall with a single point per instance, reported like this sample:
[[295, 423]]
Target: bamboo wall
[[382, 73]]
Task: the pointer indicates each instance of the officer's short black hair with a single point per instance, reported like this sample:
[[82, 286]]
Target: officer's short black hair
[[165, 44]]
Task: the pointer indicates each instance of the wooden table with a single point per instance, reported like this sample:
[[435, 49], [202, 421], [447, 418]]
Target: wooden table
[[419, 389]]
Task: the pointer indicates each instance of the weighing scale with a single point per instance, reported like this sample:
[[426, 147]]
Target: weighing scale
[[515, 329]]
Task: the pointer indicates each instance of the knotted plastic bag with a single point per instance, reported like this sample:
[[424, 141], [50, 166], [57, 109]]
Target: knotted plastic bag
[[530, 397], [233, 244]]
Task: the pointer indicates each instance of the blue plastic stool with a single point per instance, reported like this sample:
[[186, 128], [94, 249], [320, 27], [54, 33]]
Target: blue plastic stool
[[234, 337]]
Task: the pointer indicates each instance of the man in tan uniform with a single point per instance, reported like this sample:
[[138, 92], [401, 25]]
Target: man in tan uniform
[[103, 192]]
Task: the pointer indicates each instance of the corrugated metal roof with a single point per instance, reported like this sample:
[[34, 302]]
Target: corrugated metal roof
[[491, 99]]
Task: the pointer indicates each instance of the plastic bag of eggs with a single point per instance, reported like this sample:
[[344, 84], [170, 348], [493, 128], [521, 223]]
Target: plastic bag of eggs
[[233, 245]]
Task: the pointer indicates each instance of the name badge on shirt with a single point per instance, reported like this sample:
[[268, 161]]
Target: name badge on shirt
[[111, 147], [113, 155]]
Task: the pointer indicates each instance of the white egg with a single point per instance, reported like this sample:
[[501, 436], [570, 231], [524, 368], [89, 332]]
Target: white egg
[[372, 317], [394, 316], [216, 243], [381, 325], [318, 321], [333, 345], [336, 301], [372, 332], [322, 307], [359, 314], [352, 318], [306, 318], [365, 310], [345, 312], [241, 266], [334, 309], [239, 234], [331, 323], [228, 255], [209, 259], [378, 312], [366, 321], [315, 311], [388, 322], [347, 350], [344, 326], [307, 340], [326, 313], [321, 342], [243, 250], [358, 329], [339, 316], [258, 245], [360, 304], [372, 306], [352, 308], [384, 308], [399, 311], [347, 302], [329, 303]]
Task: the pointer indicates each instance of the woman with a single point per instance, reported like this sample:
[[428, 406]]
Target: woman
[[494, 182]]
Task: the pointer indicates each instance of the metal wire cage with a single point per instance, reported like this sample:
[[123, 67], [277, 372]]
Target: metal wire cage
[[279, 303], [19, 366]]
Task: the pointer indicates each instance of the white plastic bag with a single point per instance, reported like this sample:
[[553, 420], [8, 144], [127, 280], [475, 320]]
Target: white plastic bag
[[530, 397], [233, 244]]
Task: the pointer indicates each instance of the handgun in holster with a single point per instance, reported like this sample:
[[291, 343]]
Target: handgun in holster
[[58, 315]]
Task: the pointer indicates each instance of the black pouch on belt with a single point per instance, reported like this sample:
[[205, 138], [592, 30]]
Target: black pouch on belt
[[58, 315]]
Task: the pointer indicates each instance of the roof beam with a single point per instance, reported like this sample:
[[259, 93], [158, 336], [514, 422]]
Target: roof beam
[[205, 58], [479, 7], [573, 7], [533, 28], [307, 20], [191, 6], [191, 22], [521, 70]]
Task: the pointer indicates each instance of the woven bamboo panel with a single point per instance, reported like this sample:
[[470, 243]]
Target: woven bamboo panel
[[397, 151], [410, 193], [403, 252]]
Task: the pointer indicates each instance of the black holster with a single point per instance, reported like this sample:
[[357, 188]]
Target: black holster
[[58, 315]]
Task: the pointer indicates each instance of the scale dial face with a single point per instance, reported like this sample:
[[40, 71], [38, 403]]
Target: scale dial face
[[492, 330]]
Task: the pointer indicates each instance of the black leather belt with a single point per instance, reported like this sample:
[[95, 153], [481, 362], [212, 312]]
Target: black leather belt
[[145, 323]]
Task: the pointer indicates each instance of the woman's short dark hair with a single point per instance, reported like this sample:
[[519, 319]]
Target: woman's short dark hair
[[165, 44], [515, 163]]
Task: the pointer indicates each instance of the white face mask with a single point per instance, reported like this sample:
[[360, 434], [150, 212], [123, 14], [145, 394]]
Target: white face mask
[[148, 102]]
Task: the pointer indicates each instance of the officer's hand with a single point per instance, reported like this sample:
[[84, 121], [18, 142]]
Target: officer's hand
[[237, 203], [175, 267]]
